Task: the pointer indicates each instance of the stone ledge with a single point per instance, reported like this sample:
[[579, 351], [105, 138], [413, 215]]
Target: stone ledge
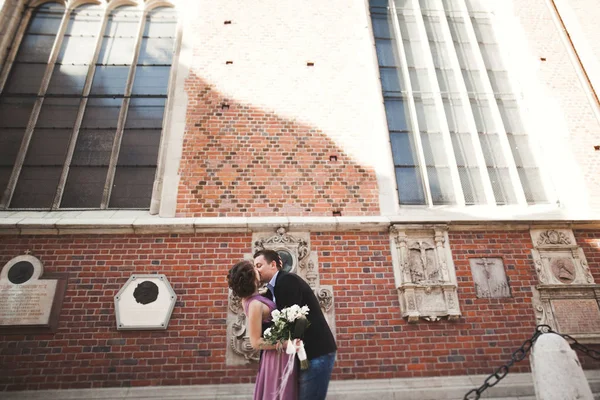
[[141, 222], [514, 387]]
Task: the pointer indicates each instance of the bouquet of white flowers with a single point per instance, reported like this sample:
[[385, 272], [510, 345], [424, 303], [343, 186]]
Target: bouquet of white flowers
[[289, 324]]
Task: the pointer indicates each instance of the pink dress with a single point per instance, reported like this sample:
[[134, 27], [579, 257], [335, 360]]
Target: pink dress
[[271, 367]]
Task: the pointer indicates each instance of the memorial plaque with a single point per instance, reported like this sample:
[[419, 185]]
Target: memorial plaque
[[145, 302], [27, 301], [489, 277], [577, 316]]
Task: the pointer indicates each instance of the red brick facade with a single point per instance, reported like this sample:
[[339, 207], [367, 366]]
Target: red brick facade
[[374, 342], [270, 136], [239, 160]]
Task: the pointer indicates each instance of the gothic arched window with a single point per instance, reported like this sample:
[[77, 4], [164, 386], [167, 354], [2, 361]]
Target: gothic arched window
[[82, 100]]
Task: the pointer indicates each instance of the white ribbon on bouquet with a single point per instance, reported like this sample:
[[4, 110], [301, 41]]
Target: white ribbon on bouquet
[[293, 347]]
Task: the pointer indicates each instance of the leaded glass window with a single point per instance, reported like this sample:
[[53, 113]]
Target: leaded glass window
[[82, 100], [453, 113]]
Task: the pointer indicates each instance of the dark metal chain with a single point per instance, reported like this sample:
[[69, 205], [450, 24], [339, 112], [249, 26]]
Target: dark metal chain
[[520, 354], [501, 372], [578, 346]]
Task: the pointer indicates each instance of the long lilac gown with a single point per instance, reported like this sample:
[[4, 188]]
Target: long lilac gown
[[272, 365]]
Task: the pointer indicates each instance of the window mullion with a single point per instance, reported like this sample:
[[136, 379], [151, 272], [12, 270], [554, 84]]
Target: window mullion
[[411, 102], [35, 112], [439, 105], [19, 15], [162, 146], [491, 98], [80, 113], [15, 48], [470, 120], [110, 177]]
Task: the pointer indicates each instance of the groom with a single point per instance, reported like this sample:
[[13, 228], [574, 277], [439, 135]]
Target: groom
[[288, 289]]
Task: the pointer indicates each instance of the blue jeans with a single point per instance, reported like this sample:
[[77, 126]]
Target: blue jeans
[[314, 381]]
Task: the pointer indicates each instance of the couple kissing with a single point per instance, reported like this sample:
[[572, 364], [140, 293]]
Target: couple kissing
[[279, 376]]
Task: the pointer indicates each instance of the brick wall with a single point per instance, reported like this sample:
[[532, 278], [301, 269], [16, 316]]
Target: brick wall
[[374, 342], [88, 351], [240, 160], [269, 152], [588, 14], [565, 101]]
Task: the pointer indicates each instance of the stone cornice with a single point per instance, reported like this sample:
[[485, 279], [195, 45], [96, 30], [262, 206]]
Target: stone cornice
[[140, 222]]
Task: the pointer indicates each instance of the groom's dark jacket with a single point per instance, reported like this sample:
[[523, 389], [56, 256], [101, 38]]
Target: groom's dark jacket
[[290, 289]]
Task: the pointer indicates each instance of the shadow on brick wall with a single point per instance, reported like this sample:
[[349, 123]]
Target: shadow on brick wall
[[240, 160]]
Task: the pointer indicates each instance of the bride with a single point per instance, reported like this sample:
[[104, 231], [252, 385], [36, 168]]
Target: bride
[[243, 280]]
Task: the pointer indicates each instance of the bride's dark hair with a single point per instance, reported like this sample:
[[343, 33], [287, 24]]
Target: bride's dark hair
[[242, 279]]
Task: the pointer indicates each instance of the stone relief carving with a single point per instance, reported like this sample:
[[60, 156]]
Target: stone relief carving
[[298, 258], [553, 237], [238, 339], [325, 296], [297, 246], [424, 272], [489, 277], [558, 260], [566, 297]]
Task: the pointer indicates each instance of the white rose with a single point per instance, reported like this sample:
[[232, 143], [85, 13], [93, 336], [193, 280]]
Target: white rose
[[275, 314]]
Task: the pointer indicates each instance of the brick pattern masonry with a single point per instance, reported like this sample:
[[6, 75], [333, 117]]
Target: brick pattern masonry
[[374, 342]]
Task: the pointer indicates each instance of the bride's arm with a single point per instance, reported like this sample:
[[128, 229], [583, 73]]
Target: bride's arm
[[255, 317]]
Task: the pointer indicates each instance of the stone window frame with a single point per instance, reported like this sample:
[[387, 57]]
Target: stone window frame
[[174, 110], [519, 199]]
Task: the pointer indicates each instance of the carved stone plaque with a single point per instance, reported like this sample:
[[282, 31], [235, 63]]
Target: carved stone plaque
[[558, 259], [145, 302], [26, 304], [489, 277], [25, 299], [569, 309], [576, 315], [424, 272], [566, 297]]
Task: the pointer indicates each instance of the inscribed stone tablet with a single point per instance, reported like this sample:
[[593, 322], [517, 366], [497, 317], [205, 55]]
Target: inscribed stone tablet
[[26, 304], [576, 315]]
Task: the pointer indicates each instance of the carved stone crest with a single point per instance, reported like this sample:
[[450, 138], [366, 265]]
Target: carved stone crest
[[558, 260], [424, 272], [552, 237]]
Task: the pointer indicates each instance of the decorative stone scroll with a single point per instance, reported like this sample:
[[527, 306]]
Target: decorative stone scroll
[[297, 258], [28, 303], [424, 272], [145, 302], [558, 259]]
